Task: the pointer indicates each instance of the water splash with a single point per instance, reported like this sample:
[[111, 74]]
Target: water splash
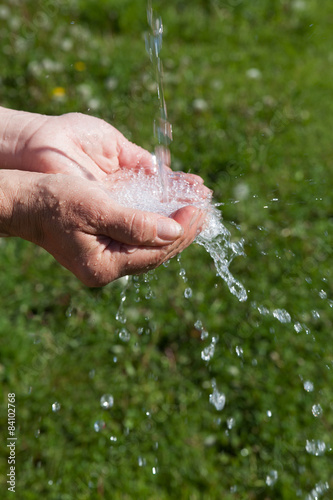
[[144, 192]]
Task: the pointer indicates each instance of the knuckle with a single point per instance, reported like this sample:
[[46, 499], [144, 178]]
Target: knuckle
[[138, 227]]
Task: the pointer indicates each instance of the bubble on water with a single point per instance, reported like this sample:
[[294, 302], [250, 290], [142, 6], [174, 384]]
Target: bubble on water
[[106, 401], [315, 447], [56, 406], [99, 425], [308, 386], [317, 410], [217, 398], [188, 293], [282, 315], [272, 477], [144, 192], [124, 335]]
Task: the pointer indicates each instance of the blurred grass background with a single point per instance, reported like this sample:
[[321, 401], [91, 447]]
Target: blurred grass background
[[248, 86]]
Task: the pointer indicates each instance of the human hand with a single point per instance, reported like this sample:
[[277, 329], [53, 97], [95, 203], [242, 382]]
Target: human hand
[[86, 231], [73, 144]]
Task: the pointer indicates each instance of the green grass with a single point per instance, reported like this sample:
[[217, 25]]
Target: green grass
[[257, 140]]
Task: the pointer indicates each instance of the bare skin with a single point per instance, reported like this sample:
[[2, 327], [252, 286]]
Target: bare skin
[[49, 195]]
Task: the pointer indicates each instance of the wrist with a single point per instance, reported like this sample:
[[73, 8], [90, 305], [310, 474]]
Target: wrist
[[18, 197], [16, 128]]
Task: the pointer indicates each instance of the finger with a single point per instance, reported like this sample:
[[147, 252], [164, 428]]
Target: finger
[[137, 227], [134, 157], [136, 260], [191, 178]]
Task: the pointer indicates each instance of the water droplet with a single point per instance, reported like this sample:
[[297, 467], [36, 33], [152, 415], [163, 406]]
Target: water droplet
[[217, 399], [271, 478], [269, 413], [154, 470], [141, 461], [230, 423], [99, 425], [208, 352], [198, 325], [308, 386], [69, 312], [239, 351], [188, 293], [37, 433], [56, 406], [315, 447], [124, 335], [315, 314], [106, 401], [182, 273], [263, 310], [318, 491], [322, 294], [113, 439], [297, 327], [317, 410], [282, 315]]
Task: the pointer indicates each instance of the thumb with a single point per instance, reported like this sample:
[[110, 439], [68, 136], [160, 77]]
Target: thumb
[[140, 228]]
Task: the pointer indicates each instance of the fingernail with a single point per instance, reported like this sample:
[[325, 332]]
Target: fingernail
[[168, 229]]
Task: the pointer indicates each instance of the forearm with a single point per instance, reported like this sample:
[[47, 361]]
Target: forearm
[[15, 129]]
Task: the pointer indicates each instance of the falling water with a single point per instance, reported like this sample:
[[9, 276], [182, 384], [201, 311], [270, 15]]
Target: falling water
[[163, 128]]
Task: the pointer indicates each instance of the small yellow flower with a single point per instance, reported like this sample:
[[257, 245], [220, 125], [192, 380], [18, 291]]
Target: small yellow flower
[[80, 66], [58, 92]]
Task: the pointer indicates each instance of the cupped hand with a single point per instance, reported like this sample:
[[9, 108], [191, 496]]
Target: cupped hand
[[87, 232], [78, 144]]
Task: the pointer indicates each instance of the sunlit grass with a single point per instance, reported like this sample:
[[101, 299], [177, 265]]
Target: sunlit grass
[[248, 89]]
